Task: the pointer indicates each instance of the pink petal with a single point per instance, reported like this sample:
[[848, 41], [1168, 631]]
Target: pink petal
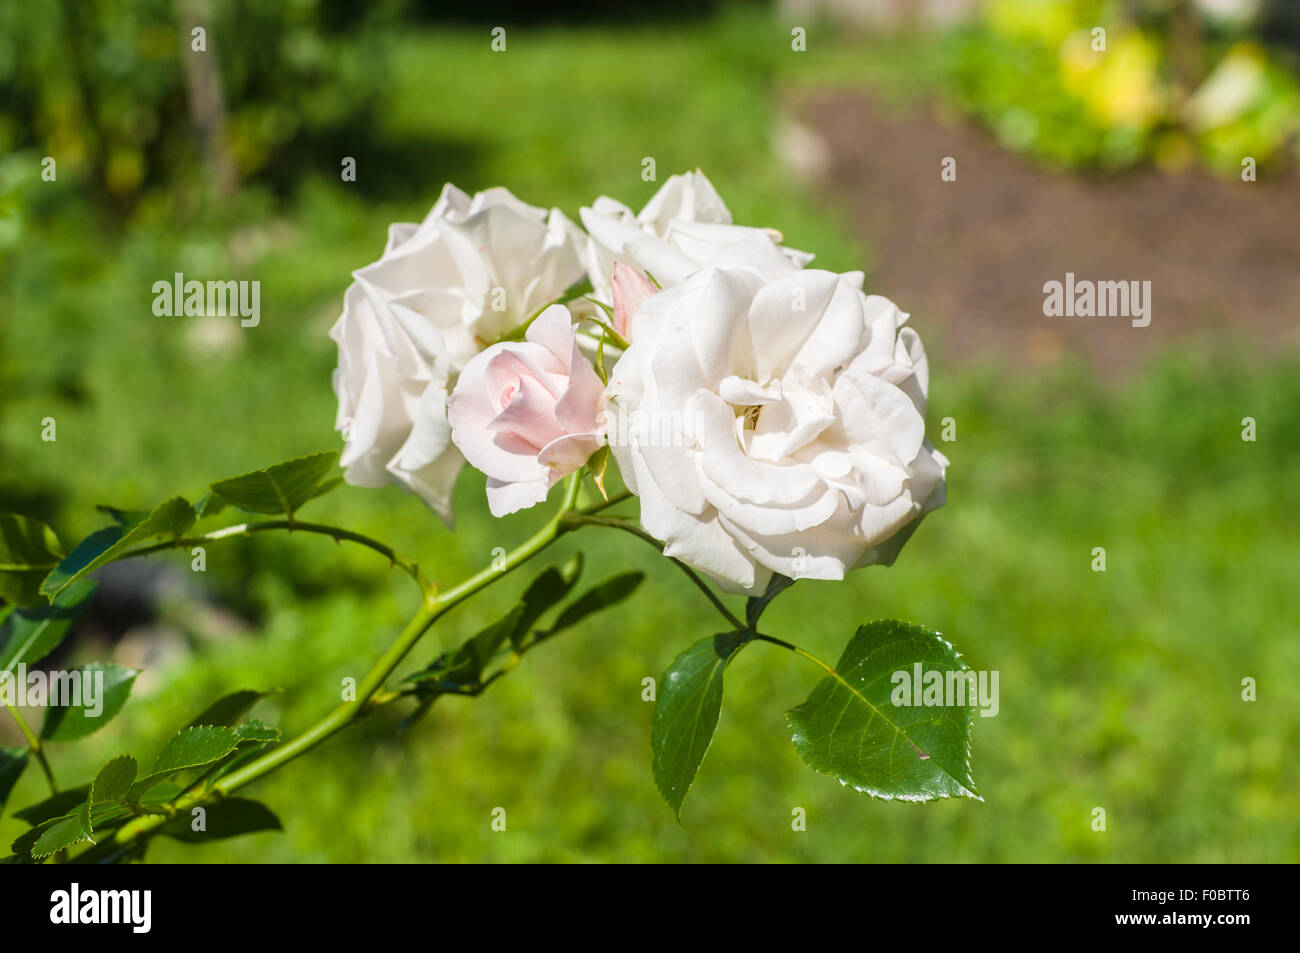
[[631, 288]]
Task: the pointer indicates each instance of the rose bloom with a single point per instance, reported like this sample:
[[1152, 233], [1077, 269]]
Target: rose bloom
[[528, 413], [684, 225], [801, 448], [443, 290], [630, 289]]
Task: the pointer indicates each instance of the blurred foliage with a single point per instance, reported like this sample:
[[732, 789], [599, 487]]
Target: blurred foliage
[[602, 12], [1026, 70], [101, 84], [1167, 87], [1118, 689]]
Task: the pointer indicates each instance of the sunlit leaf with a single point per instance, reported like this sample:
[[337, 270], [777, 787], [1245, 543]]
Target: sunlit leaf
[[229, 708], [109, 687], [28, 635], [230, 817], [12, 763], [171, 518], [688, 702], [851, 729], [282, 488], [29, 550], [602, 596]]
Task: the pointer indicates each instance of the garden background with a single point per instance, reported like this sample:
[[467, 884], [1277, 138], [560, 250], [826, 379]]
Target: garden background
[[1119, 689]]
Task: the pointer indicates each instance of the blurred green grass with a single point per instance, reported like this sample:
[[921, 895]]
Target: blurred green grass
[[1119, 690]]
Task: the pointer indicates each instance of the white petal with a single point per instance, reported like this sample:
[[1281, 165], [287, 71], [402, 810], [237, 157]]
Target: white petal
[[783, 315], [877, 417], [746, 480], [507, 498]]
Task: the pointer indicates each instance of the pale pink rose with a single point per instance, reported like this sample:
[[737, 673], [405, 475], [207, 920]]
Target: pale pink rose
[[528, 413], [631, 288]]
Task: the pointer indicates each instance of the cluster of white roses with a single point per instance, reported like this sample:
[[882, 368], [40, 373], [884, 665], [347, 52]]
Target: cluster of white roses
[[769, 416]]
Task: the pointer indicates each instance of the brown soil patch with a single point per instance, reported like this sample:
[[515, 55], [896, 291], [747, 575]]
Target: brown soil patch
[[970, 257]]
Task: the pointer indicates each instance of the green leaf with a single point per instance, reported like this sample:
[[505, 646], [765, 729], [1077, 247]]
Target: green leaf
[[12, 763], [123, 517], [686, 713], [113, 780], [546, 591], [475, 655], [195, 746], [245, 753], [28, 635], [326, 485], [256, 731], [111, 852], [28, 551], [850, 728], [69, 830], [23, 844], [463, 669], [160, 792], [110, 785], [230, 708], [79, 562], [56, 805], [110, 686], [608, 593], [60, 834], [604, 379], [282, 488], [171, 518], [599, 461], [209, 505], [190, 747], [65, 819], [230, 817]]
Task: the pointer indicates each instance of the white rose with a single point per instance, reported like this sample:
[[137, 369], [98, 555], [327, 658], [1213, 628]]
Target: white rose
[[443, 290], [681, 228], [771, 419]]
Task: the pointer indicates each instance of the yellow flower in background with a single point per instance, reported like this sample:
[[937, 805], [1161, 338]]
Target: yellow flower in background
[[1236, 86], [1047, 22], [1121, 85], [1246, 107]]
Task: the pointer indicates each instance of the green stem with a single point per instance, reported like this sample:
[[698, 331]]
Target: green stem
[[37, 749], [828, 669], [434, 606], [613, 522], [614, 337], [246, 529], [606, 504]]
